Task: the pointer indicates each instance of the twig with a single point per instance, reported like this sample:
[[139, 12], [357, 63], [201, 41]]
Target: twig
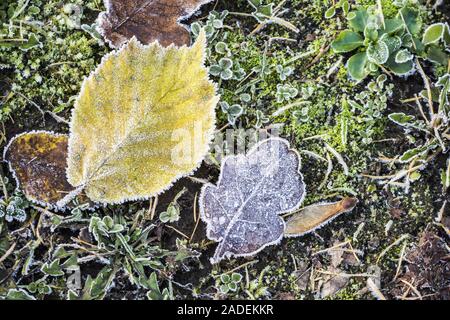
[[240, 267], [322, 52], [414, 289], [421, 110], [155, 203], [196, 219], [428, 87], [339, 158], [195, 207], [375, 290], [400, 260], [178, 231], [327, 173], [348, 275], [8, 252], [399, 240]]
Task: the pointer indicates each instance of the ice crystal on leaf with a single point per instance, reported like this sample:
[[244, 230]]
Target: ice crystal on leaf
[[242, 211]]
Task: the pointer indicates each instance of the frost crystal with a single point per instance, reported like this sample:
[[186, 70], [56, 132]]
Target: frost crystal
[[242, 211]]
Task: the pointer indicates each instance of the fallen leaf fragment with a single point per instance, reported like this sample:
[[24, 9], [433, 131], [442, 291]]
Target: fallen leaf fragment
[[38, 161], [147, 20], [315, 216]]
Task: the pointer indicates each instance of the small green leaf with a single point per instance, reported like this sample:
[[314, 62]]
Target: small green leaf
[[403, 56], [19, 294], [236, 277], [357, 20], [401, 118], [399, 69], [435, 54], [116, 228], [52, 269], [371, 32], [407, 40], [392, 26], [61, 253], [71, 263], [330, 12], [411, 19], [394, 43], [108, 221], [72, 295], [433, 34], [154, 293], [232, 286], [355, 105], [378, 53], [345, 6], [356, 66], [225, 278], [418, 46], [347, 41], [224, 288], [412, 154], [372, 67], [226, 63], [414, 176], [447, 35]]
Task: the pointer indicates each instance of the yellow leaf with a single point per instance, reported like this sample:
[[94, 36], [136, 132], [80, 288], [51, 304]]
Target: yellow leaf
[[142, 120], [315, 216]]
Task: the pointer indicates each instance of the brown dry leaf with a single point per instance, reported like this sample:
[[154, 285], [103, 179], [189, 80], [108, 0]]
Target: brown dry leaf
[[302, 275], [147, 20], [38, 161], [333, 282], [427, 269], [315, 216], [336, 255]]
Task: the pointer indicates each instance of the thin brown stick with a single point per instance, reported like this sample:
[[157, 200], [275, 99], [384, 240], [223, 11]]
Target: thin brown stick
[[427, 86], [8, 252], [177, 231]]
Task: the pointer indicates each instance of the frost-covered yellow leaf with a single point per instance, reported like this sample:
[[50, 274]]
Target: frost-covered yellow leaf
[[142, 120]]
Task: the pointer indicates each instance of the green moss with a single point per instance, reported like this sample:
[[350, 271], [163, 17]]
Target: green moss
[[48, 74]]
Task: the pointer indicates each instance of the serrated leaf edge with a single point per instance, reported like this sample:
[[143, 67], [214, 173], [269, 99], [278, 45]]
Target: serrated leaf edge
[[108, 8], [208, 222], [210, 132]]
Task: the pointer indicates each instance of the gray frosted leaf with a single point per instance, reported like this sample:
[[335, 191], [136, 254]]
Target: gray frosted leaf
[[242, 211]]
